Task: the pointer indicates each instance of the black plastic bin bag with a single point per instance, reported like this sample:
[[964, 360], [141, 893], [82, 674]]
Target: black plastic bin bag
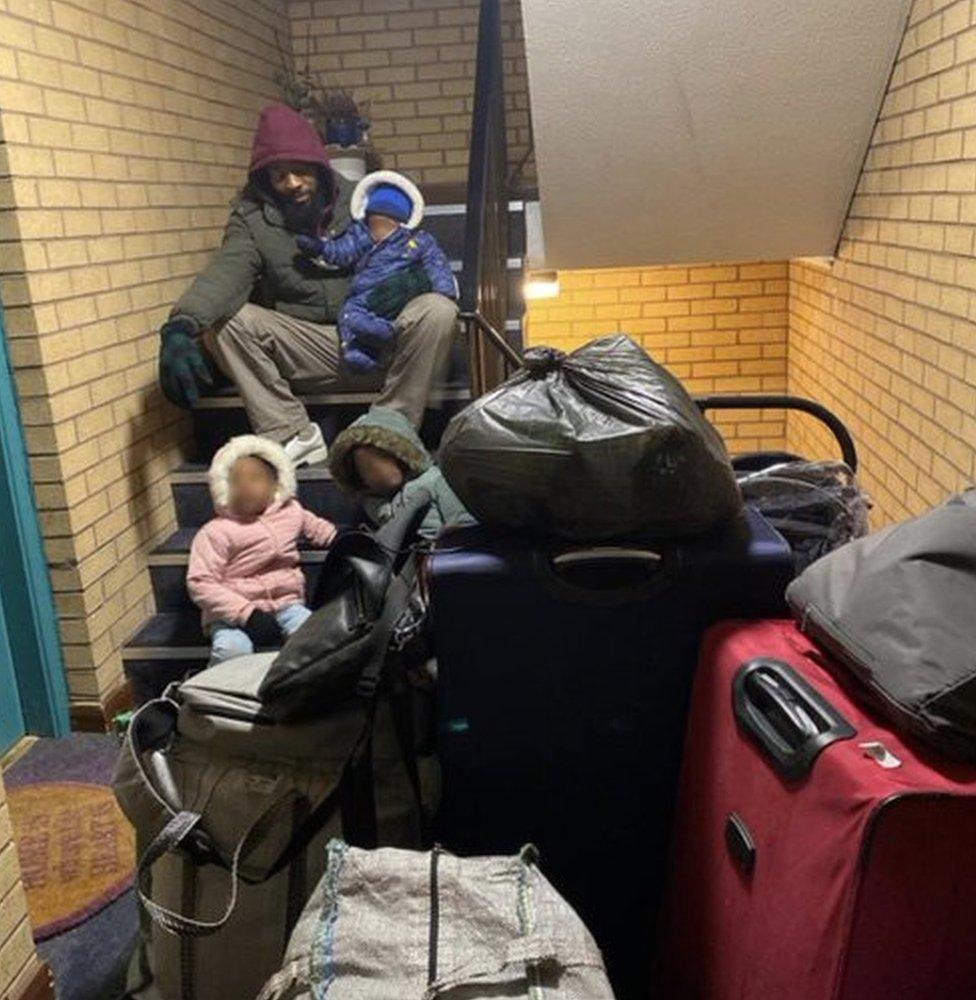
[[598, 444]]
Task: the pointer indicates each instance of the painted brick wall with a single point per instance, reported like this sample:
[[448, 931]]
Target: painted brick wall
[[887, 334], [415, 60], [718, 327], [125, 127], [16, 944]]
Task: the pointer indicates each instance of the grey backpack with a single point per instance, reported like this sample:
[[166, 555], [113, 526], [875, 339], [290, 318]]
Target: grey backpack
[[897, 611], [233, 809], [418, 926]]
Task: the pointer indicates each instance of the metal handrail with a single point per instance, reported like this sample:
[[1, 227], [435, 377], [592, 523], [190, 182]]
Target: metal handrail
[[757, 401], [498, 341], [484, 277]]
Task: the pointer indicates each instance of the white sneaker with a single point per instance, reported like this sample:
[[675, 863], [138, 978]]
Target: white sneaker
[[307, 447]]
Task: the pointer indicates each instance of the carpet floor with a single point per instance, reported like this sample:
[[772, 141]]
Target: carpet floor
[[89, 960]]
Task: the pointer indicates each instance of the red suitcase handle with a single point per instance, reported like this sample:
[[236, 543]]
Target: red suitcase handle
[[786, 716]]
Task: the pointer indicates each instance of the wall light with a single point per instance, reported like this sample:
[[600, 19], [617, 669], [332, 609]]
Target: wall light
[[541, 285]]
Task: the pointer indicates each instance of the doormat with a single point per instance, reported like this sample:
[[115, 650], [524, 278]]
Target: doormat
[[76, 848]]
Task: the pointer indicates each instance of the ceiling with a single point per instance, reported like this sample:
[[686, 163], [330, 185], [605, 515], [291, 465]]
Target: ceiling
[[702, 130]]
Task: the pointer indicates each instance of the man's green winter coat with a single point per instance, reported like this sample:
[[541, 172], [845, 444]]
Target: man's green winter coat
[[391, 432], [259, 262]]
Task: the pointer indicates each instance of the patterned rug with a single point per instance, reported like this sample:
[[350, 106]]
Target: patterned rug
[[76, 848], [76, 851]]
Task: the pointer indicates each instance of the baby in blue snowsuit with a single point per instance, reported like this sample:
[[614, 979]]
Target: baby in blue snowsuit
[[387, 207]]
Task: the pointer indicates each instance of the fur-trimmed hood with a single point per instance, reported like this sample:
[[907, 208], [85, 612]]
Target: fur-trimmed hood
[[383, 428], [239, 447], [360, 195]]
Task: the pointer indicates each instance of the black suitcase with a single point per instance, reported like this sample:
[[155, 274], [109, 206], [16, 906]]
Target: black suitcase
[[563, 681]]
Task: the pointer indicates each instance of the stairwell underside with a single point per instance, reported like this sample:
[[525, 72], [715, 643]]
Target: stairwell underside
[[672, 131]]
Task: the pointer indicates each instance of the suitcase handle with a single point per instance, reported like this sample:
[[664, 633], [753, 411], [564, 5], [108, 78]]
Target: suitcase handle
[[648, 572], [606, 554], [749, 401], [785, 715]]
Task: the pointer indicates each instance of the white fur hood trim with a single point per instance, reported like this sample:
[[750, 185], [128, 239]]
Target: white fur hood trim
[[360, 195], [250, 444]]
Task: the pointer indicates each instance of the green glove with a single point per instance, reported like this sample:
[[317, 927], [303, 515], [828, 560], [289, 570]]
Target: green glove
[[182, 367], [389, 297]]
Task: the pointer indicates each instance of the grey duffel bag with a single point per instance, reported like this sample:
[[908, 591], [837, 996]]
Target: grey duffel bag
[[897, 611], [233, 810], [404, 925]]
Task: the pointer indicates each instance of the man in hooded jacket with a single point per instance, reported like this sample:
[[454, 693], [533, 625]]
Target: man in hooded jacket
[[267, 314]]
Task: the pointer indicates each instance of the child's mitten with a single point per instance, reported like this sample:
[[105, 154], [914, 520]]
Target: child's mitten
[[311, 246], [263, 630], [358, 361]]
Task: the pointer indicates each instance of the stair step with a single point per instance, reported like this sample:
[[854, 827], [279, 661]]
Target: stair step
[[169, 635], [347, 393], [316, 490], [167, 647], [221, 416], [168, 565]]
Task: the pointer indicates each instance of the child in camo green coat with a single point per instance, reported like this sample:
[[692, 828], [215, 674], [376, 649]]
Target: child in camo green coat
[[381, 458]]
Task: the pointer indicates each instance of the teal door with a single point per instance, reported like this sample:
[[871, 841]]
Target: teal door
[[11, 712], [33, 689]]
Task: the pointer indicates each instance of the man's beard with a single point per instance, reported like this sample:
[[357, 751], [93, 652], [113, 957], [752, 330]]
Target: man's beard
[[304, 217]]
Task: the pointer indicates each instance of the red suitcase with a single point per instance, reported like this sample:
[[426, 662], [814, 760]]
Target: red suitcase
[[812, 861]]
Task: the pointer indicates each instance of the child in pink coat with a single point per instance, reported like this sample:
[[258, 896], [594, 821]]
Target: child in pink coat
[[244, 569]]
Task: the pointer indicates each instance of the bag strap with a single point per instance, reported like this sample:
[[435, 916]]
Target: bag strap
[[394, 604], [355, 795], [152, 728], [401, 711], [357, 791], [336, 799], [150, 734], [294, 973], [169, 839], [178, 834], [359, 806]]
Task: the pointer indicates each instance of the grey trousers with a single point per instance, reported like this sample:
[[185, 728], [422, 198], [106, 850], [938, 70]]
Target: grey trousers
[[265, 352]]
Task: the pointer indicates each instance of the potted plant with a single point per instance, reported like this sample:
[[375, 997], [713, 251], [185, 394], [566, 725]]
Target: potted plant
[[340, 119], [345, 123]]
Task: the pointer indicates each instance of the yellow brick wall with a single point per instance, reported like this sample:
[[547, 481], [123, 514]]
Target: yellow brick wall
[[125, 127], [886, 335], [415, 61], [717, 327], [16, 944]]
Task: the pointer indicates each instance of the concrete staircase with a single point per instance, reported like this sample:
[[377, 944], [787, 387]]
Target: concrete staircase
[[171, 643]]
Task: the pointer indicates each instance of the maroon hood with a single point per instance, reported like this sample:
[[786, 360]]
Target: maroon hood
[[284, 134]]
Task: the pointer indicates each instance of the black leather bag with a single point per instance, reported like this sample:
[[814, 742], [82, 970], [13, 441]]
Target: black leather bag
[[364, 591]]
